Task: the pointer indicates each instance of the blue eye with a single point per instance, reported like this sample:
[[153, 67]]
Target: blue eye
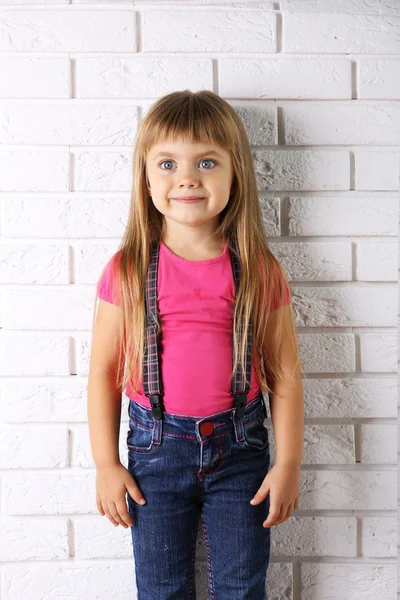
[[208, 160], [171, 161], [165, 161]]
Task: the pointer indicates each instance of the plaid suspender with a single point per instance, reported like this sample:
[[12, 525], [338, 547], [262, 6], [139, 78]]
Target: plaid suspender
[[152, 385]]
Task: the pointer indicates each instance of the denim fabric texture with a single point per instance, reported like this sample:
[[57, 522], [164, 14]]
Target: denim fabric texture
[[192, 468]]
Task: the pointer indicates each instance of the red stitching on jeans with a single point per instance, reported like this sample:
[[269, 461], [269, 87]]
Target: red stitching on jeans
[[180, 435], [192, 562], [141, 424], [221, 454], [211, 584]]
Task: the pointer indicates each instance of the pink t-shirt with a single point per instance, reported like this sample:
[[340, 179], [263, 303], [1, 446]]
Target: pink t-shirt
[[195, 301]]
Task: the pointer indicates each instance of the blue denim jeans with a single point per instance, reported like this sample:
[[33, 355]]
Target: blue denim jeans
[[199, 467]]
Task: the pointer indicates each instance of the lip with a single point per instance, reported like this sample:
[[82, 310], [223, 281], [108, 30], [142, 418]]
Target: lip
[[189, 199]]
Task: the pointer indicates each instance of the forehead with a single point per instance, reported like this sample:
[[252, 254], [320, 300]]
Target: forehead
[[185, 148]]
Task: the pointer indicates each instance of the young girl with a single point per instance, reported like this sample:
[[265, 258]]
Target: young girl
[[195, 320]]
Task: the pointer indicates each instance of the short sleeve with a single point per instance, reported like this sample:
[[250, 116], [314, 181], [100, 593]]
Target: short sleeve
[[106, 287]]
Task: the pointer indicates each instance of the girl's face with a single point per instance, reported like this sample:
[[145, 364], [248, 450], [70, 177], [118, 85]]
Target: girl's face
[[175, 170]]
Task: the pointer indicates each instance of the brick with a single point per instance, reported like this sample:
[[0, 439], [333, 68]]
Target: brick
[[34, 447], [350, 398], [320, 536], [28, 77], [377, 169], [103, 171], [312, 123], [349, 215], [108, 580], [97, 538], [34, 264], [12, 2], [314, 261], [34, 171], [295, 170], [351, 7], [70, 216], [378, 537], [378, 352], [82, 452], [378, 443], [344, 490], [325, 445], [355, 305], [34, 539], [91, 260], [209, 31], [326, 581], [69, 30], [327, 352], [29, 401], [260, 123], [139, 77], [377, 261], [270, 212], [64, 124], [65, 309], [340, 33], [377, 78], [49, 493], [289, 79], [34, 354]]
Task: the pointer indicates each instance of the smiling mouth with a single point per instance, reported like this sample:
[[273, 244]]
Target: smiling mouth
[[188, 200]]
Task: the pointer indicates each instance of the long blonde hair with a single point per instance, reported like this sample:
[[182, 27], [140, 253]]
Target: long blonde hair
[[202, 117]]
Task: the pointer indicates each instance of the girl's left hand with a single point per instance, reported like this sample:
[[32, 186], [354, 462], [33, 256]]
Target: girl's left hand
[[282, 483]]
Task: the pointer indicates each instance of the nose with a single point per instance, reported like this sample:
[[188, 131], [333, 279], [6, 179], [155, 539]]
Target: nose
[[188, 177]]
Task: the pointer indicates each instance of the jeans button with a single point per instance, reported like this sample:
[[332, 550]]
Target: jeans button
[[206, 428]]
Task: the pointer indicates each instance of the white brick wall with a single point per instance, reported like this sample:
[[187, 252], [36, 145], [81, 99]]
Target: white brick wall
[[316, 83]]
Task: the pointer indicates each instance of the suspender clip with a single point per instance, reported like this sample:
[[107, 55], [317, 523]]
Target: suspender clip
[[240, 405], [156, 407]]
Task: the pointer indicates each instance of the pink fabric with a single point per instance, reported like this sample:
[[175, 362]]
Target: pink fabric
[[195, 300]]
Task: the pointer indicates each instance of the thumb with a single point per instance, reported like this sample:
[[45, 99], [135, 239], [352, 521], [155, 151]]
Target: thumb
[[261, 494], [135, 493]]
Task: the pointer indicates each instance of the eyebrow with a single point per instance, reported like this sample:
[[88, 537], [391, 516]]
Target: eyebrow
[[165, 153]]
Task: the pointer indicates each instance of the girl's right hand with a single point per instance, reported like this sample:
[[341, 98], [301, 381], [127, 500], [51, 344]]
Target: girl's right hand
[[112, 483]]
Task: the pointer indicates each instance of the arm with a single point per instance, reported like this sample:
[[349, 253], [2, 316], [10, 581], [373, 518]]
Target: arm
[[287, 416], [287, 402], [113, 480], [104, 399], [282, 482]]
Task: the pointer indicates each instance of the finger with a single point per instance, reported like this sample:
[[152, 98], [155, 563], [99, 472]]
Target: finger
[[99, 505], [109, 515], [260, 495], [284, 514], [115, 514], [273, 515], [293, 506], [124, 514], [136, 494]]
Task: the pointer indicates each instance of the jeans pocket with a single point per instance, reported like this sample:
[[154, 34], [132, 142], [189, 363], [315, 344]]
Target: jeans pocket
[[141, 439], [256, 434]]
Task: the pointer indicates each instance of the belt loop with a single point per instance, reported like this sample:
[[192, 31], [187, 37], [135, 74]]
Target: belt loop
[[264, 407], [238, 427]]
